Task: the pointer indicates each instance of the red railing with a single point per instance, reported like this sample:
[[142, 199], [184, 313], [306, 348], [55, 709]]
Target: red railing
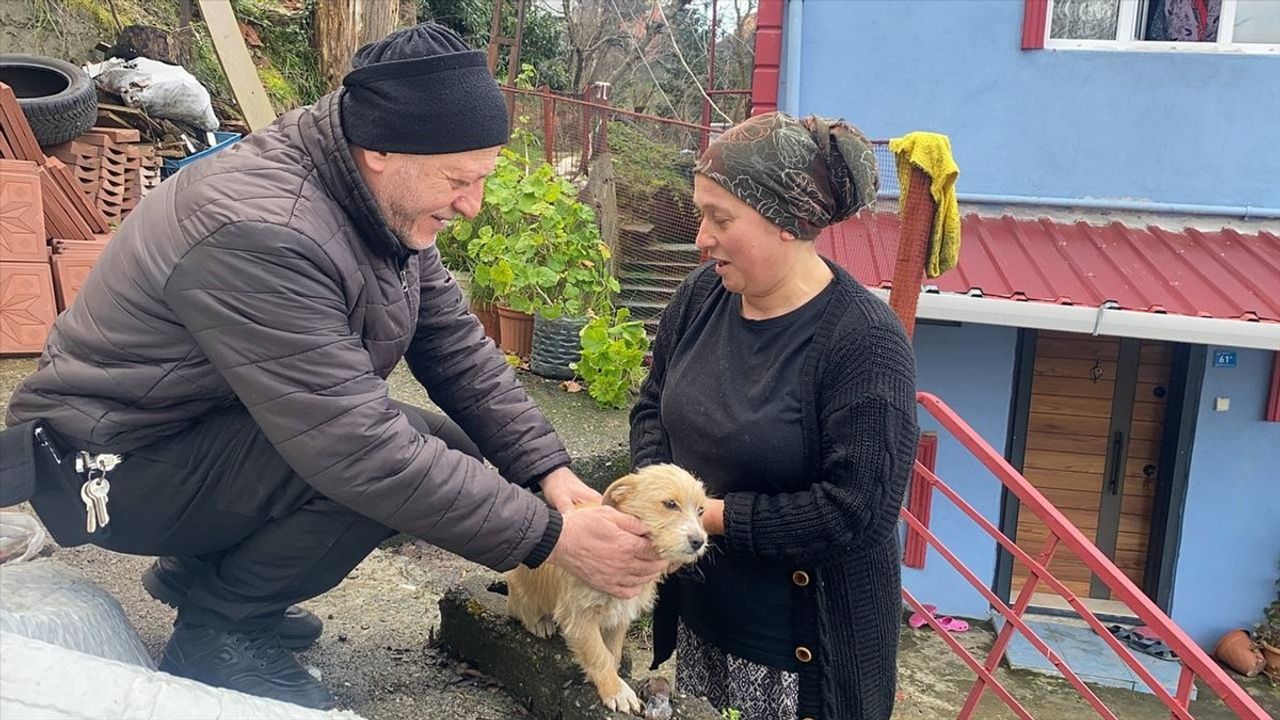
[[1062, 534]]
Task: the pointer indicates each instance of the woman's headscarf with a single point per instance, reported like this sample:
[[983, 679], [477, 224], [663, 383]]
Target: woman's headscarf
[[801, 174]]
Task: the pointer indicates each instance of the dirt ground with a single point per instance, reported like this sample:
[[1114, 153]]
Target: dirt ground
[[376, 652]]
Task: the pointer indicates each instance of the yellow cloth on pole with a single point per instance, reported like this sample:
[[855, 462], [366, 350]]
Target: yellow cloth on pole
[[931, 152]]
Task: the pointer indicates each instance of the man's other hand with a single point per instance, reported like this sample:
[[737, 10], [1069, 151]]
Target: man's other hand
[[608, 550], [565, 491]]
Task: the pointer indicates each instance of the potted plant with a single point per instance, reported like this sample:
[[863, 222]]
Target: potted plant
[[503, 250], [452, 244], [584, 289]]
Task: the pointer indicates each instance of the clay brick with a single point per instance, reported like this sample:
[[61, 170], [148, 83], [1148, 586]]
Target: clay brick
[[118, 135], [21, 212], [14, 125], [79, 200], [27, 306], [70, 270], [65, 220], [71, 247]]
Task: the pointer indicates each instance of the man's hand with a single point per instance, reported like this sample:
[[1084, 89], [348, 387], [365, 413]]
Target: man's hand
[[607, 550], [564, 491]]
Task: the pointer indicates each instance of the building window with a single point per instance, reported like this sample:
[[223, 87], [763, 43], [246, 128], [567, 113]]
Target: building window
[[1235, 26]]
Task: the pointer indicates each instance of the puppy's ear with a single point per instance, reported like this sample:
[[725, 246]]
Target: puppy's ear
[[620, 490]]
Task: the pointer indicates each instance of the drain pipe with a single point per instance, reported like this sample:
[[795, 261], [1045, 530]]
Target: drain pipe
[[1247, 212], [792, 31]]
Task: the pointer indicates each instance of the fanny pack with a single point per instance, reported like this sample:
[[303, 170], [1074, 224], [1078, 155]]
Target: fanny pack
[[18, 461]]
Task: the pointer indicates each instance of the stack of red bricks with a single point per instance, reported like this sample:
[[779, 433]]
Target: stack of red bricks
[[51, 233], [115, 168]]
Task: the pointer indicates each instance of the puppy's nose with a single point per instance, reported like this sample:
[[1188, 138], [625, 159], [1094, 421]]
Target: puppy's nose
[[696, 543]]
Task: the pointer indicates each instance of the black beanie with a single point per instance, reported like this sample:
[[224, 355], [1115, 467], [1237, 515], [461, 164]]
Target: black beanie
[[422, 90]]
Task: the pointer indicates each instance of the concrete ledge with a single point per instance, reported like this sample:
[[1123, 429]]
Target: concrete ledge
[[540, 673]]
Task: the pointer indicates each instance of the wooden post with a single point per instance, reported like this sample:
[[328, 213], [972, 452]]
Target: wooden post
[[495, 36], [917, 224], [337, 26], [548, 125], [513, 58]]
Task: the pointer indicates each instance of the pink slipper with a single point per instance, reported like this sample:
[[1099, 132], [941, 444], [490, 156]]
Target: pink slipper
[[947, 622]]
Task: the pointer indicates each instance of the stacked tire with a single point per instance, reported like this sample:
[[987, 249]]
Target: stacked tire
[[57, 98]]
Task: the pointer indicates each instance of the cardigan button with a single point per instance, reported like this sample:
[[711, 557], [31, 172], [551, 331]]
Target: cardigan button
[[803, 654], [800, 578]]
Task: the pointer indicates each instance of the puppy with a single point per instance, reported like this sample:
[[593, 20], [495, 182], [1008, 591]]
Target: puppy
[[670, 502]]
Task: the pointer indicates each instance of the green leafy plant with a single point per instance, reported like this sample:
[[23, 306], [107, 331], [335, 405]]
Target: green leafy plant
[[534, 247], [731, 714], [612, 363]]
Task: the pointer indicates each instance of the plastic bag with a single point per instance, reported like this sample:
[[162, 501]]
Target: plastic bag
[[160, 89], [21, 537], [50, 682], [46, 600]]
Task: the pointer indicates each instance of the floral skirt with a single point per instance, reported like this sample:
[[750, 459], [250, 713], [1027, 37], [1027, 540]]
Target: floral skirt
[[757, 692]]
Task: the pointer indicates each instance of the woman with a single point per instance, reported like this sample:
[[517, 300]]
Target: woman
[[789, 389]]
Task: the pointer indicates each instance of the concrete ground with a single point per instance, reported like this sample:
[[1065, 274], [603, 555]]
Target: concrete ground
[[377, 655]]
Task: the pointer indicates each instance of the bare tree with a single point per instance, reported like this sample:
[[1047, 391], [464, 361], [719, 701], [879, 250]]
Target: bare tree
[[607, 38]]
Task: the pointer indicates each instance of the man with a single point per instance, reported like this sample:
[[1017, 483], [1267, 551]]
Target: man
[[231, 347]]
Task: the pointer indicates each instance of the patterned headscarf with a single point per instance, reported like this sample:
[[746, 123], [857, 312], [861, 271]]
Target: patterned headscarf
[[800, 174]]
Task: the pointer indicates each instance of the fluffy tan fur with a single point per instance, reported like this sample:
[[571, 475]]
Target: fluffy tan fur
[[669, 501]]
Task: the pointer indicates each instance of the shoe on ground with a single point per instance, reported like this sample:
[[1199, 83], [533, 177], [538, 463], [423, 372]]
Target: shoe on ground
[[168, 579], [250, 661]]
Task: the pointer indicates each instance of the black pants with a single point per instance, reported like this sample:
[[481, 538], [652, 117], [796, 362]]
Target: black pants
[[220, 492]]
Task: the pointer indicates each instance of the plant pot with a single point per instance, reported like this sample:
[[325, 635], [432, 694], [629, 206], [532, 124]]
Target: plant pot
[[489, 319], [1238, 652], [555, 345], [1272, 655], [515, 331]]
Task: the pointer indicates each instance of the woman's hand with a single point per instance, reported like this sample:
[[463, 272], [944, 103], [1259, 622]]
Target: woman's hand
[[713, 516]]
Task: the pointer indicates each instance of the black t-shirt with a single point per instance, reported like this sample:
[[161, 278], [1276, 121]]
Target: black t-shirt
[[732, 410]]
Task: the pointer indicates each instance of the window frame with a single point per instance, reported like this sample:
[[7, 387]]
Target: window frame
[[1038, 20]]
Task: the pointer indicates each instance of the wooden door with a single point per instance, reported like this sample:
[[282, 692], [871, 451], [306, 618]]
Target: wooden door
[[1093, 441]]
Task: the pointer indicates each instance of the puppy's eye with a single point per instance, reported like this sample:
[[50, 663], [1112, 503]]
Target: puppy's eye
[[670, 504], [700, 511]]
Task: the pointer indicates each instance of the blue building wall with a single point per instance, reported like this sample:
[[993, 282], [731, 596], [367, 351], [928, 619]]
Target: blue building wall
[[1180, 128], [1229, 555], [971, 369]]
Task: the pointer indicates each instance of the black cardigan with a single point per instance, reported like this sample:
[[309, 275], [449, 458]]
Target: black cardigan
[[840, 535]]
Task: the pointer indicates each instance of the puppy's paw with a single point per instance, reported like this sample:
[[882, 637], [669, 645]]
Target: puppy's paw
[[544, 628], [625, 700]]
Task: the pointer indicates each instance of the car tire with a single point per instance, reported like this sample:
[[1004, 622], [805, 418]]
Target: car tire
[[57, 98]]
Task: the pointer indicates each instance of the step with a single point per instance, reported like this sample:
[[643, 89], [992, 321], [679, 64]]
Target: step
[[644, 309], [684, 253], [658, 267], [670, 282], [645, 293]]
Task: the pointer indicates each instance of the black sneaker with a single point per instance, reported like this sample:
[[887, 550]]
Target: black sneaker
[[168, 579], [251, 661]]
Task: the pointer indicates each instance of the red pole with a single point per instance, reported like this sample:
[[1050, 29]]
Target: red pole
[[548, 125]]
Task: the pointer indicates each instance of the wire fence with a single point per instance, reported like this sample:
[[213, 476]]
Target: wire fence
[[637, 170]]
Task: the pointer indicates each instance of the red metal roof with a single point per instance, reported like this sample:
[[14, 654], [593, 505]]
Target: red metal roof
[[1220, 274]]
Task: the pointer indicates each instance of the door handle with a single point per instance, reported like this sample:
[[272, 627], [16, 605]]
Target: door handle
[[1117, 466]]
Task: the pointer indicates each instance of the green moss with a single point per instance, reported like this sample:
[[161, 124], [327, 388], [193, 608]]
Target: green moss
[[283, 96], [645, 167], [290, 72]]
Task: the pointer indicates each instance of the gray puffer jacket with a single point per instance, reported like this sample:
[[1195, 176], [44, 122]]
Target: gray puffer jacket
[[265, 275]]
